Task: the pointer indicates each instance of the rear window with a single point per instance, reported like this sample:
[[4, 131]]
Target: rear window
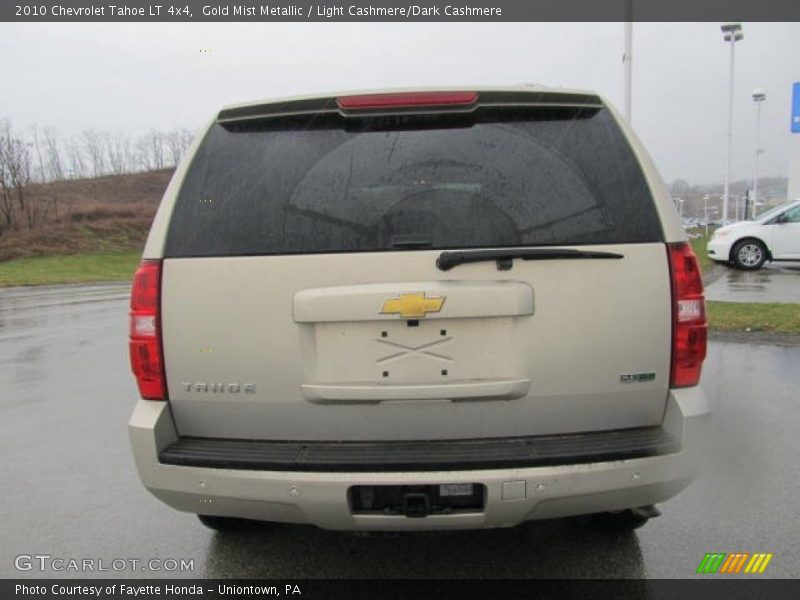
[[492, 178]]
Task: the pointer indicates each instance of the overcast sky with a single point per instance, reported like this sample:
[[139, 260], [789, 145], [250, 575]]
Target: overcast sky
[[134, 77]]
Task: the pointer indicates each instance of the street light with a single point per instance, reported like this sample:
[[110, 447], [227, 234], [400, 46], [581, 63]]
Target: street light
[[731, 32], [758, 97], [627, 60]]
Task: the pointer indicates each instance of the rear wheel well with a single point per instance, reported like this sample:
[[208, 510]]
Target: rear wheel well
[[749, 239]]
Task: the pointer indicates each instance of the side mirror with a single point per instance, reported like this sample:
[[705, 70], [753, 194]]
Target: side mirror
[[782, 218]]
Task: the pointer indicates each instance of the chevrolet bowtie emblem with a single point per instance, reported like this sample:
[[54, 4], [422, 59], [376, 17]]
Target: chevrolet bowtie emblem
[[412, 305]]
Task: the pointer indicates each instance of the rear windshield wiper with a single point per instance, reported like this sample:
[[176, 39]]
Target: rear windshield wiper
[[449, 259]]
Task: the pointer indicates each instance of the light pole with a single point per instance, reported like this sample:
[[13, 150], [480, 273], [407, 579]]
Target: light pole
[[758, 97], [731, 32], [627, 60]]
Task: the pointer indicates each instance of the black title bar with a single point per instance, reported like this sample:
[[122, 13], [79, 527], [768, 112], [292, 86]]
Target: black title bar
[[398, 10]]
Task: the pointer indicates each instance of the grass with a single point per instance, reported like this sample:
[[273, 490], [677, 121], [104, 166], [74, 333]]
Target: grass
[[750, 316], [75, 268], [103, 236], [699, 247]]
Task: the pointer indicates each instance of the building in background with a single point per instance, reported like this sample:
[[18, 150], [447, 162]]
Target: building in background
[[793, 190]]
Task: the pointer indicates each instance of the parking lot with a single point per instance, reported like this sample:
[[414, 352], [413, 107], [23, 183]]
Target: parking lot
[[71, 490]]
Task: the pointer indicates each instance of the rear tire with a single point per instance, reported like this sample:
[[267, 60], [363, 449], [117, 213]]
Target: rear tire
[[228, 523], [623, 521], [749, 255]]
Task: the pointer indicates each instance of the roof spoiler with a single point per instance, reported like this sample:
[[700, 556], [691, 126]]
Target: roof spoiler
[[408, 103]]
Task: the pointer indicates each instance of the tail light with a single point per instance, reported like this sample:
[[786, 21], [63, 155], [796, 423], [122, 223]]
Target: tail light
[[145, 331], [407, 99], [688, 316]]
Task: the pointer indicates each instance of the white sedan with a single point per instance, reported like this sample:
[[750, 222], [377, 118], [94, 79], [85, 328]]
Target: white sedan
[[775, 235]]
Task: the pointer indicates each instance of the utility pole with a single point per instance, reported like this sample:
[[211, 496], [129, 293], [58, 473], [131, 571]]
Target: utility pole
[[627, 60], [758, 97]]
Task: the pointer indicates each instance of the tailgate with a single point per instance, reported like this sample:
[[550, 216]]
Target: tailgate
[[298, 348]]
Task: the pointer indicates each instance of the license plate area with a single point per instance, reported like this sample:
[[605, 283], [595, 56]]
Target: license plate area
[[411, 352], [417, 501]]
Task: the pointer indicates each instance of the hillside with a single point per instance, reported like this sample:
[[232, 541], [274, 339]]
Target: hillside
[[105, 214]]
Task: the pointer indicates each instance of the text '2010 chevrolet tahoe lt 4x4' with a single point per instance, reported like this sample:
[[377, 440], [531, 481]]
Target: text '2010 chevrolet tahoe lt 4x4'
[[431, 309]]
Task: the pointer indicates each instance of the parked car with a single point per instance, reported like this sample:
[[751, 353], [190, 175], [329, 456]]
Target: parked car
[[773, 236], [418, 310]]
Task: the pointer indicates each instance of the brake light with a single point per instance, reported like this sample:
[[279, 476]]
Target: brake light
[[407, 99], [688, 316], [145, 331]]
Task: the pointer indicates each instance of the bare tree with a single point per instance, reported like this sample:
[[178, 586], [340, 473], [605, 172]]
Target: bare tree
[[6, 187], [93, 146], [15, 175], [54, 164], [38, 173], [679, 188], [173, 141], [117, 148], [144, 160], [55, 161], [77, 164], [178, 141], [156, 142], [129, 155]]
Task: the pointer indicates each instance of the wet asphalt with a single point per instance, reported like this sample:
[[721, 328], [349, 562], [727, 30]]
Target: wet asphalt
[[70, 489], [774, 282]]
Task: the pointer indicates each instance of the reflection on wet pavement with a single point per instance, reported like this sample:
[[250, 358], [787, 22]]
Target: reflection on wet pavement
[[774, 282]]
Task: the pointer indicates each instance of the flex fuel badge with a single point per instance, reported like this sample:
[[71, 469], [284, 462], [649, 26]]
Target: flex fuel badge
[[636, 377]]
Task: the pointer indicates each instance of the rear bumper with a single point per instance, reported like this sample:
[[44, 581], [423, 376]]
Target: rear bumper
[[513, 494], [433, 455]]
